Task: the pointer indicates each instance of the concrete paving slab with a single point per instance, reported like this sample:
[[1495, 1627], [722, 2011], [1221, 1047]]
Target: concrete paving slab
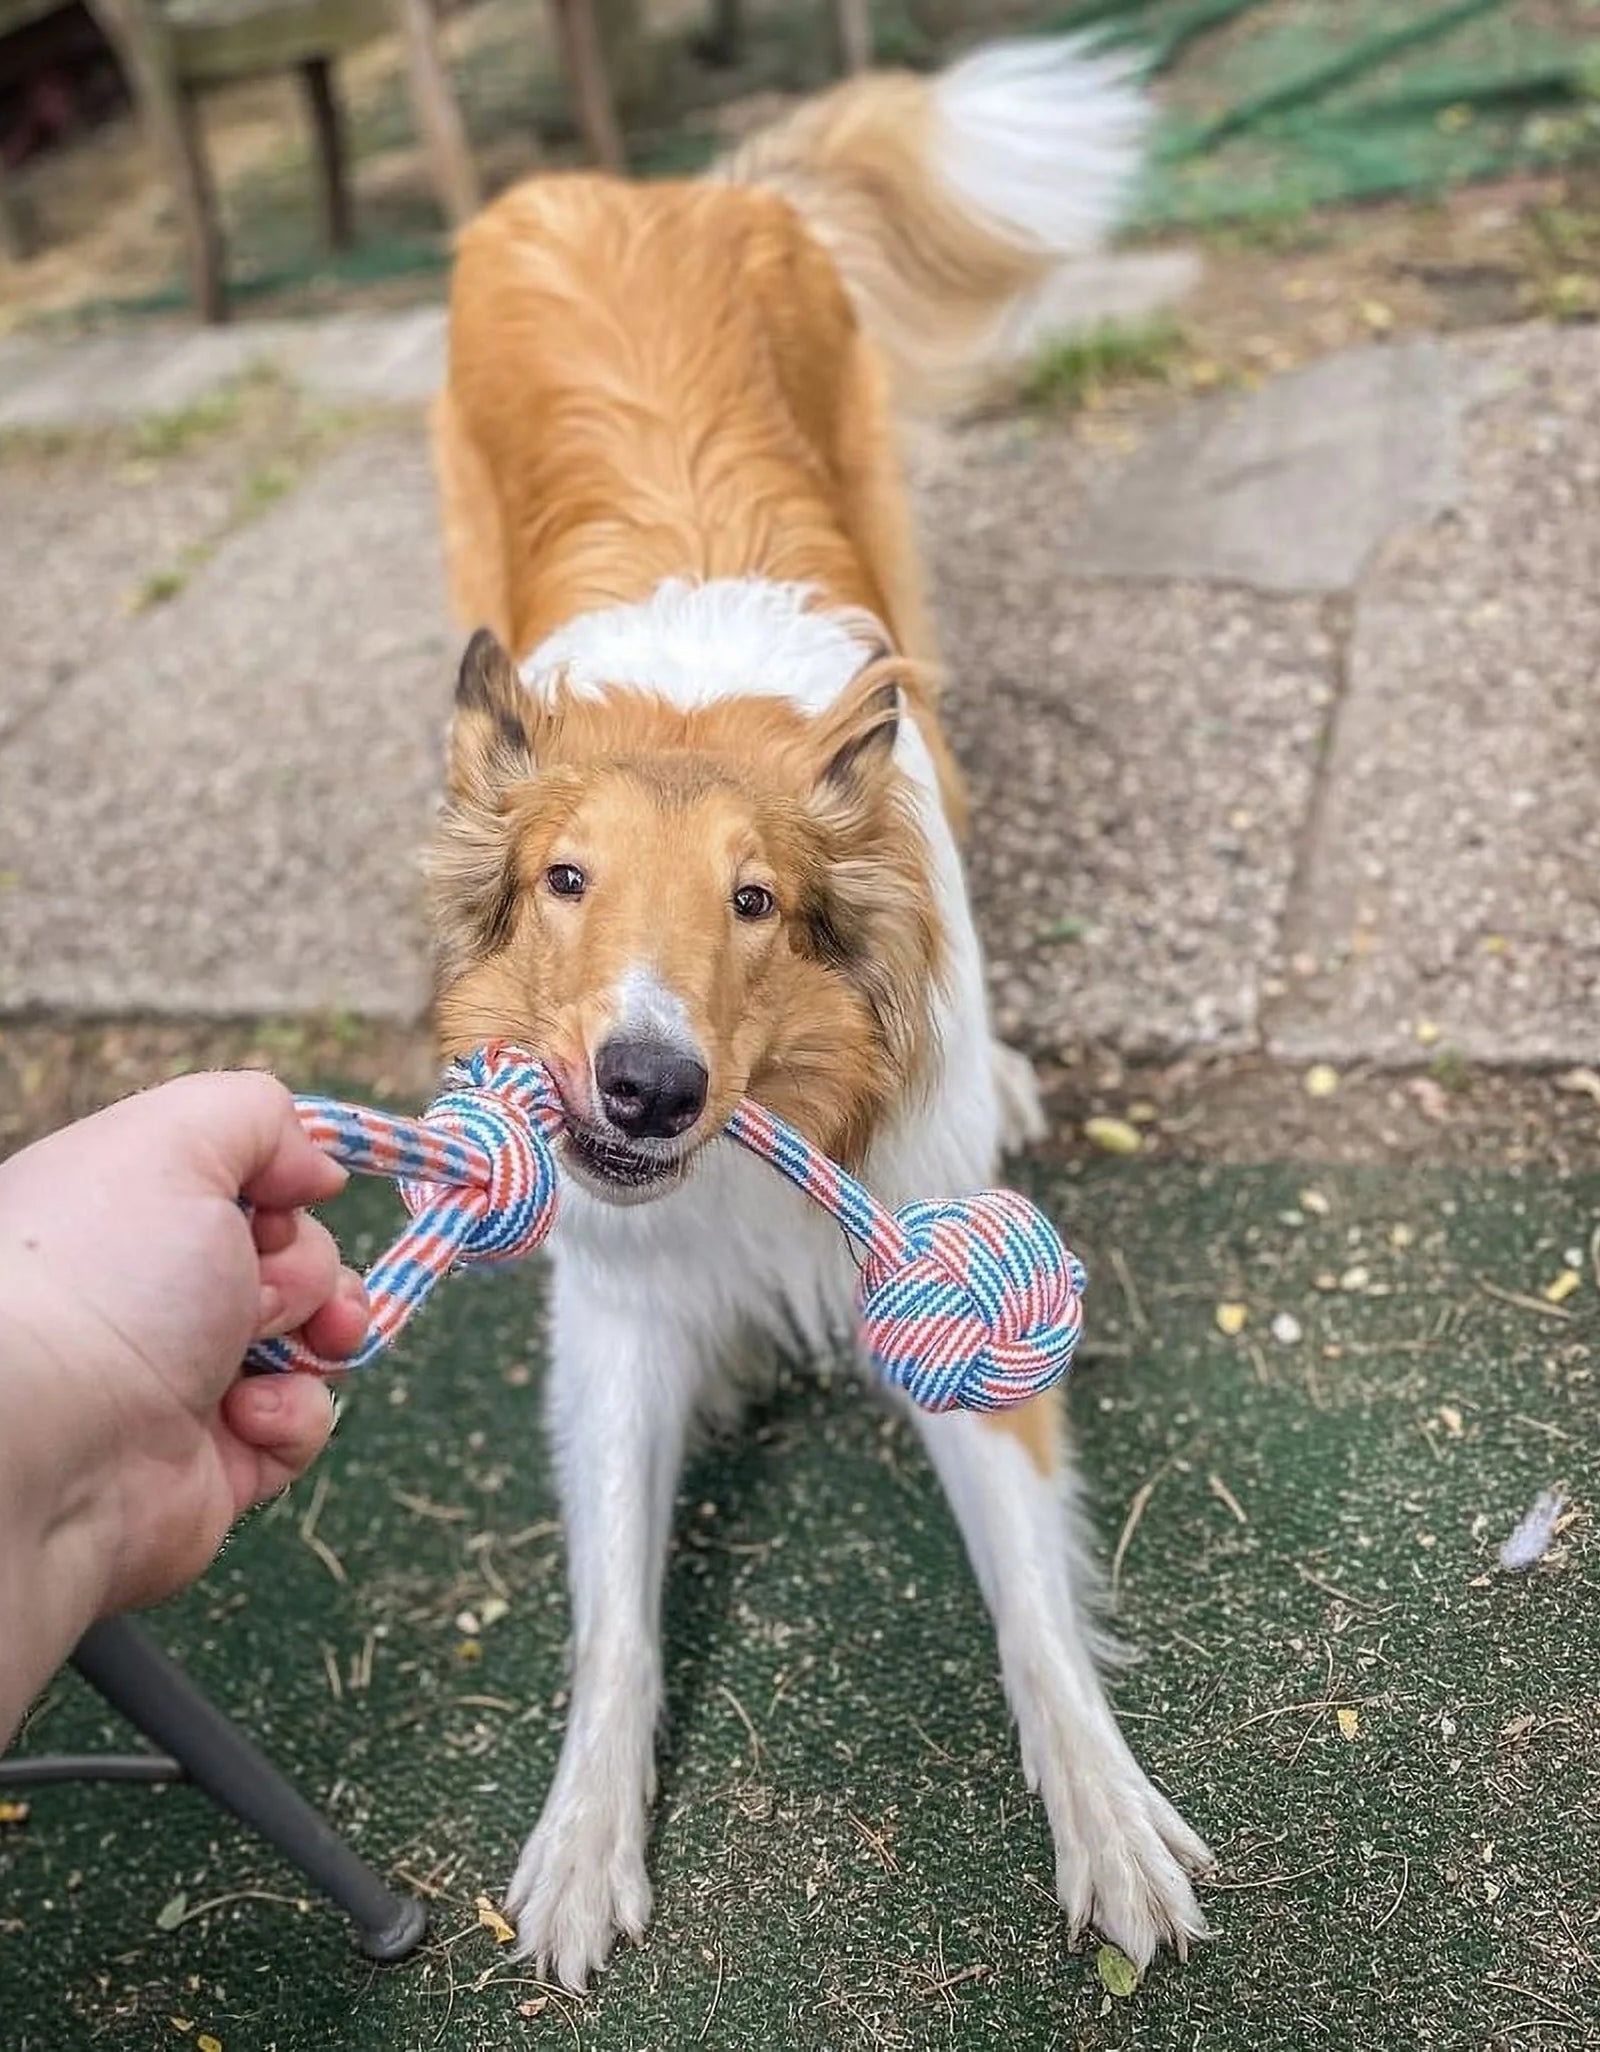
[[223, 815], [379, 359], [1291, 488], [80, 537], [393, 359], [1140, 762], [1452, 890], [104, 380]]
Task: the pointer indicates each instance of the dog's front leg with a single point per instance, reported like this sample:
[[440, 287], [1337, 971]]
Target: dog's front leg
[[1123, 1854], [623, 1380]]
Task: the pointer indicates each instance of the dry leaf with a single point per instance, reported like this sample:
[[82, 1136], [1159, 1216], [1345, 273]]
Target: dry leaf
[[535, 2005], [1562, 1287], [491, 1920], [1113, 1136], [1450, 1419], [1232, 1318], [1581, 1082], [492, 1609], [171, 1913], [14, 1813], [469, 1650], [1431, 1097], [1349, 1721], [181, 2023], [206, 2043], [1315, 1202]]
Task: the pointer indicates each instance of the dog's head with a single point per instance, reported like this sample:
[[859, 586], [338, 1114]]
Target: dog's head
[[675, 909]]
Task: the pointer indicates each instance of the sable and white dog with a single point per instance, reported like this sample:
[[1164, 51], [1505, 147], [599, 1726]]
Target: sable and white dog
[[700, 839]]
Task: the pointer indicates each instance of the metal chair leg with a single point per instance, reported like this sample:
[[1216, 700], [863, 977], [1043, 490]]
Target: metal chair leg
[[120, 1660]]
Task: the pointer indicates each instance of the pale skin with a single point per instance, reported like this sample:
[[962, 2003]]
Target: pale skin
[[132, 1281]]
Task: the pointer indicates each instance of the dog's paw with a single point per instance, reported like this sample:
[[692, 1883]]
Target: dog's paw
[[579, 1885], [1022, 1119], [1124, 1866]]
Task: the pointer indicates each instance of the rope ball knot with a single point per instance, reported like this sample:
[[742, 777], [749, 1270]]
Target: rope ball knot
[[981, 1310], [495, 1106]]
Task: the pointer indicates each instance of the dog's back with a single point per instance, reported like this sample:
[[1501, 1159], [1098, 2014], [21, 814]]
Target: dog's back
[[653, 381], [697, 379]]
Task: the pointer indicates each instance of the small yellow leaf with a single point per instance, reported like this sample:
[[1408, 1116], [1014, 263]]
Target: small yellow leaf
[[491, 1920], [1321, 1080], [1118, 1974], [1558, 1291], [1232, 1318], [1427, 1031], [469, 1650], [1113, 1136], [13, 1813], [206, 2043], [1349, 1721]]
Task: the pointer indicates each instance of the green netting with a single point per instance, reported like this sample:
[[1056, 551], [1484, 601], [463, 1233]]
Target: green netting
[[1276, 106]]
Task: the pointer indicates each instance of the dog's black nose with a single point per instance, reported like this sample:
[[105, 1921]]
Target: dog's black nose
[[648, 1091]]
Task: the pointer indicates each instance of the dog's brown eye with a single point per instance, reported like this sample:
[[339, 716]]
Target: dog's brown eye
[[566, 879], [754, 901]]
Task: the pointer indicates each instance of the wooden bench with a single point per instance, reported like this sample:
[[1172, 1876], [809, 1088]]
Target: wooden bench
[[174, 50]]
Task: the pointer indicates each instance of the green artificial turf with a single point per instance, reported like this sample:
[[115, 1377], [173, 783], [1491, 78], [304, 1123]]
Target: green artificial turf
[[845, 1855]]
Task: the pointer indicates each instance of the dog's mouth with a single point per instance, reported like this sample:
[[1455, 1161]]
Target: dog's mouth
[[617, 1169]]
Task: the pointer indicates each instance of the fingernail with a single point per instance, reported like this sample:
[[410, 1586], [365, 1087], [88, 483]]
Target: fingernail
[[351, 1287], [268, 1398], [270, 1309]]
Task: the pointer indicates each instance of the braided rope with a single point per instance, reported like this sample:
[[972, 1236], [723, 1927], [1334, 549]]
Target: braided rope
[[972, 1303]]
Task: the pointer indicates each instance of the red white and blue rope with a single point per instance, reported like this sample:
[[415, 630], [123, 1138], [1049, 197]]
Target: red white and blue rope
[[969, 1303]]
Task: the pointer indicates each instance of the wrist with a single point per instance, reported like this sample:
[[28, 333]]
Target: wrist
[[58, 1509]]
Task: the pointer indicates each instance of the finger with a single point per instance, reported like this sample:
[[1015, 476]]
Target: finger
[[283, 1421], [272, 1231], [299, 1279], [340, 1326], [248, 1126]]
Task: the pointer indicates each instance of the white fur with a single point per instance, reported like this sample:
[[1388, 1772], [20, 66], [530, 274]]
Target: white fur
[[1042, 139], [649, 1301]]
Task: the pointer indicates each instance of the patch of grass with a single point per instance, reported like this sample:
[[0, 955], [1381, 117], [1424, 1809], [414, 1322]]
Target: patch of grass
[[186, 428], [1079, 371], [160, 587]]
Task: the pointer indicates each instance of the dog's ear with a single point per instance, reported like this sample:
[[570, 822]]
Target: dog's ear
[[856, 735], [470, 861], [868, 913], [491, 738]]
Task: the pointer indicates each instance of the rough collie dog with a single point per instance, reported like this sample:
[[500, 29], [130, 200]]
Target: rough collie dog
[[700, 839]]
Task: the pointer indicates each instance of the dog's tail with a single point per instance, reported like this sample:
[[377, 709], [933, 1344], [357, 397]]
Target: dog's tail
[[951, 204]]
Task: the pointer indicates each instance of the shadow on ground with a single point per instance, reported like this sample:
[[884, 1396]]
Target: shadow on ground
[[1391, 1746]]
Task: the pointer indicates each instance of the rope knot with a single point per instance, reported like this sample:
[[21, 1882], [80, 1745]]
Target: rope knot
[[981, 1309], [501, 1101]]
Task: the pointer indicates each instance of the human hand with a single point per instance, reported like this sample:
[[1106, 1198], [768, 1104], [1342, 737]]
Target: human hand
[[131, 1284]]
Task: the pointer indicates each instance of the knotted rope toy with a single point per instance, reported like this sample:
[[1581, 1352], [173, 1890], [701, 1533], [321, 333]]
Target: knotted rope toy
[[969, 1304]]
